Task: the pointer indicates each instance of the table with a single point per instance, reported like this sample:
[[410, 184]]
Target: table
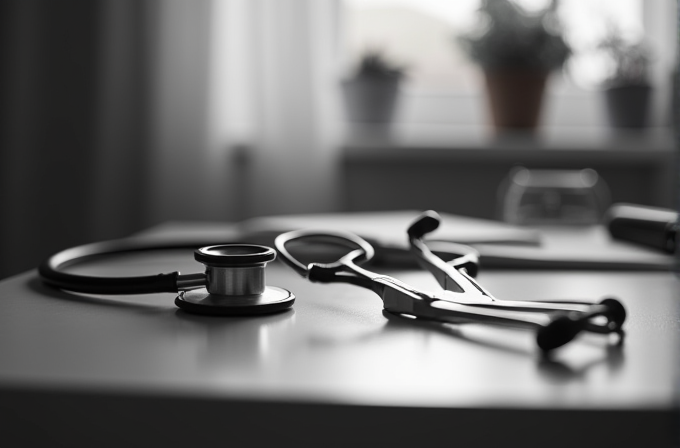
[[335, 371]]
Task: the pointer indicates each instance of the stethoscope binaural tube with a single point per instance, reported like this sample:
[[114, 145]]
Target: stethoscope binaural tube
[[233, 282]]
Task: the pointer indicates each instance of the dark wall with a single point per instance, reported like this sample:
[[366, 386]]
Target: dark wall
[[71, 148]]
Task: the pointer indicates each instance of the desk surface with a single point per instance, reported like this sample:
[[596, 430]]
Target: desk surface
[[334, 356]]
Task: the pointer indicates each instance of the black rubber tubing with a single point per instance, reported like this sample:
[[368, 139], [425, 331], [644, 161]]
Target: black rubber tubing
[[51, 269]]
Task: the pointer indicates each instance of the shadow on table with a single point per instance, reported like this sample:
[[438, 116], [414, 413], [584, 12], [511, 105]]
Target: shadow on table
[[547, 363]]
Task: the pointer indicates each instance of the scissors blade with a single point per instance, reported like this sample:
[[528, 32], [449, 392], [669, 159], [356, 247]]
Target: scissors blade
[[446, 311], [464, 298], [512, 305]]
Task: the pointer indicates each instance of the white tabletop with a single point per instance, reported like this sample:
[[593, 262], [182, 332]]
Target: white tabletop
[[337, 349]]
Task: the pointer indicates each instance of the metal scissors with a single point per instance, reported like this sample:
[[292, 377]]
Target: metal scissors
[[463, 299]]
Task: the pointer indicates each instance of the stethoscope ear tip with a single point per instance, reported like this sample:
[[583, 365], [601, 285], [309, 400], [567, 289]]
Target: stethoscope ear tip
[[425, 223], [561, 330], [616, 312]]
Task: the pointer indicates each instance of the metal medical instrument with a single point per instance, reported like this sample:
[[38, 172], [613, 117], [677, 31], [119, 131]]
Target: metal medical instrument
[[463, 300], [233, 283]]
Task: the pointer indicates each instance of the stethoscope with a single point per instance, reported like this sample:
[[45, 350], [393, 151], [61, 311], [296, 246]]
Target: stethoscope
[[233, 283], [462, 299]]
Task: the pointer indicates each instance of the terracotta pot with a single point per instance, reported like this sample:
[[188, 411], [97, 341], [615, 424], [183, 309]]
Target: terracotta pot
[[515, 97]]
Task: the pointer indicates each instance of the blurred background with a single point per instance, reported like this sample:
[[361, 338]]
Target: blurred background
[[117, 115]]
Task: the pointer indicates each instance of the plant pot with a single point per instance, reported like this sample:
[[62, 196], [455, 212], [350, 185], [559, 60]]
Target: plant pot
[[628, 105], [515, 97], [370, 100]]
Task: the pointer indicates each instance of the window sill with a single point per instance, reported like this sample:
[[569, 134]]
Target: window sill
[[459, 170], [404, 140]]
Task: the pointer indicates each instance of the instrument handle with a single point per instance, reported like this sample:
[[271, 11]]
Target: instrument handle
[[361, 250]]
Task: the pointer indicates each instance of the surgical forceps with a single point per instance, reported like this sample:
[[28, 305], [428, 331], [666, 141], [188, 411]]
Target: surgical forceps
[[463, 300]]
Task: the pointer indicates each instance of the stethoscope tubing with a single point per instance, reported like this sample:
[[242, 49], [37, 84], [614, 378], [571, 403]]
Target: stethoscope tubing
[[52, 271]]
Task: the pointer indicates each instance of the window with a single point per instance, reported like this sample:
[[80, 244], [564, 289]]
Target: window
[[417, 34], [444, 86]]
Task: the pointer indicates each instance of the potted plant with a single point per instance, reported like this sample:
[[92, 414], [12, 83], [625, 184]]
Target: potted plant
[[371, 92], [517, 50], [627, 90]]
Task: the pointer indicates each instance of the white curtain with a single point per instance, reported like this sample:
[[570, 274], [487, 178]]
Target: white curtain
[[181, 183], [244, 114], [274, 88]]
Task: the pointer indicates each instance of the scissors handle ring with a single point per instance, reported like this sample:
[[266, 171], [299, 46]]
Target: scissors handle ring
[[362, 250]]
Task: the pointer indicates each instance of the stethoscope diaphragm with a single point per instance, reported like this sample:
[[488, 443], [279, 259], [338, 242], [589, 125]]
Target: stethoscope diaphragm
[[235, 283], [271, 300]]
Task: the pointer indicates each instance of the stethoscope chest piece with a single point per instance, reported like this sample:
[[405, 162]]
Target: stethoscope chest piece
[[235, 283]]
